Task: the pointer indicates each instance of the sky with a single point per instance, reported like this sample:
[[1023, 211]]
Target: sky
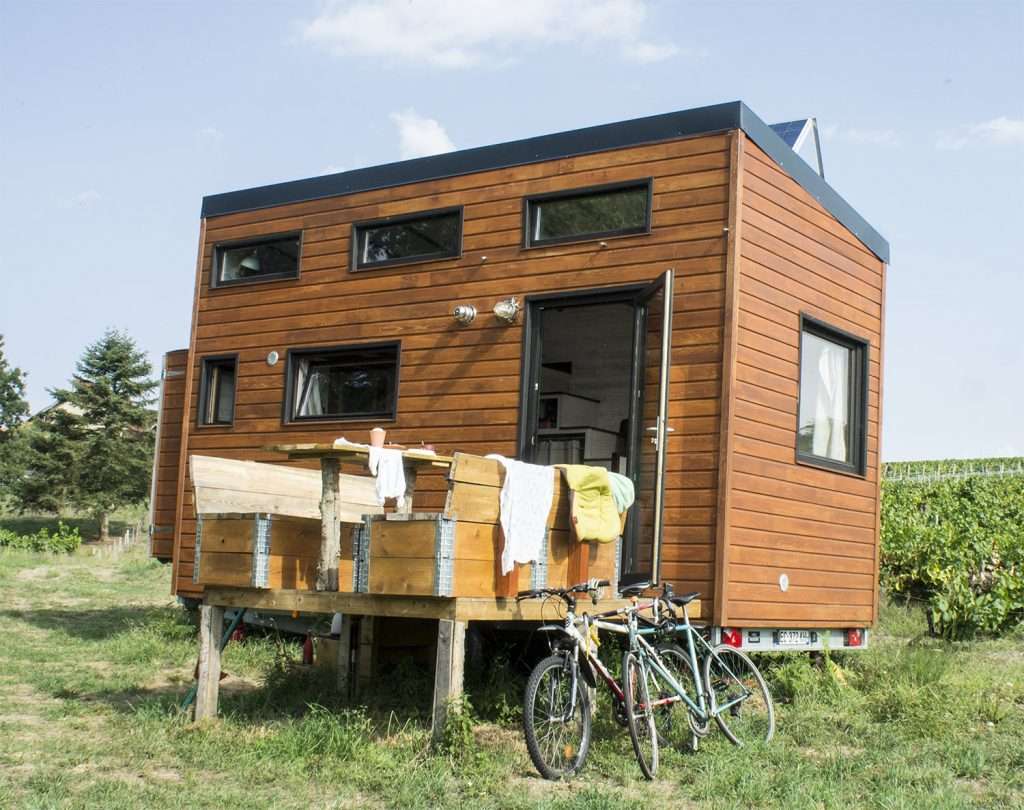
[[117, 118]]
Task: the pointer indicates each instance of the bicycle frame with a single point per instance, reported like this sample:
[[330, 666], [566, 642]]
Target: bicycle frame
[[647, 650]]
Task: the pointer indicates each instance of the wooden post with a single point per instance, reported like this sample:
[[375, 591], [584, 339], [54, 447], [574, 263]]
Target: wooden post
[[364, 654], [345, 656], [211, 628], [448, 672], [410, 488], [330, 528]]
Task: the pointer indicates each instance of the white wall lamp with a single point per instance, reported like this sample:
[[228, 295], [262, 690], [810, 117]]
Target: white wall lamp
[[508, 309], [464, 314]]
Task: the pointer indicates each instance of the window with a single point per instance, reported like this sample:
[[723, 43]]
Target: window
[[606, 211], [348, 383], [267, 259], [217, 391], [832, 411], [416, 238]]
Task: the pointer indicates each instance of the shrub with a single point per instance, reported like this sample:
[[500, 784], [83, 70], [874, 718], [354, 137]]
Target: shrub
[[66, 540], [958, 544]]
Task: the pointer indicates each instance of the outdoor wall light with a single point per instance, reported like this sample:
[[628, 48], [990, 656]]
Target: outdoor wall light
[[464, 314], [272, 358], [508, 309]]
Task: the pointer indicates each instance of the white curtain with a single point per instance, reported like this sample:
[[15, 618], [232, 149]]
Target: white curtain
[[831, 403], [308, 386]]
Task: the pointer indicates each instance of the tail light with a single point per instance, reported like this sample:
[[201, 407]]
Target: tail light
[[732, 636], [854, 637]]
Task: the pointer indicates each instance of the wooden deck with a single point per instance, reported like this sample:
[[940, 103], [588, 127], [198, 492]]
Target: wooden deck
[[464, 609]]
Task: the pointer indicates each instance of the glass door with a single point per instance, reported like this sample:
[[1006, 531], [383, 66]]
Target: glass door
[[649, 429]]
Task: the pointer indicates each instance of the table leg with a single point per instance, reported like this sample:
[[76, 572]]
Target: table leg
[[330, 528], [410, 489]]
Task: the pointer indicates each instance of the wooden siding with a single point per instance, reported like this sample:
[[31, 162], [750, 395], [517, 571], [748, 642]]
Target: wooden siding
[[165, 463], [818, 527], [459, 386]]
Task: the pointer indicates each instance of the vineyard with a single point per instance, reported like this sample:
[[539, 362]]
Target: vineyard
[[953, 537]]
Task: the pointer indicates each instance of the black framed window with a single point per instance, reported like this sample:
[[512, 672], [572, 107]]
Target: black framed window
[[217, 390], [264, 259], [349, 382], [414, 238], [569, 216], [832, 407]]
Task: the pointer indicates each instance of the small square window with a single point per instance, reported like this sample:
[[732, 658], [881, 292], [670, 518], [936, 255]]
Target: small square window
[[217, 391], [267, 259], [400, 240], [592, 213], [356, 382], [832, 411]]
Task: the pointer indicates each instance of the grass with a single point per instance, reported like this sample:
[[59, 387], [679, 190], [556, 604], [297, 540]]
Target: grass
[[96, 658]]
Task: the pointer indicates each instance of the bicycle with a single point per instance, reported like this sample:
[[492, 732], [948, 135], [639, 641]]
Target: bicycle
[[556, 706], [727, 687]]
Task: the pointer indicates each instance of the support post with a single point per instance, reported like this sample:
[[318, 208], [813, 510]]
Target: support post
[[410, 488], [330, 528], [448, 672], [345, 656], [211, 627], [364, 654]]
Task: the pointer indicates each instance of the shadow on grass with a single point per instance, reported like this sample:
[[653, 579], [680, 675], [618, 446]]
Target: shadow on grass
[[102, 624]]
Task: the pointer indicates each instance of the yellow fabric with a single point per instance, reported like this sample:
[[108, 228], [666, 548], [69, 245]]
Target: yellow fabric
[[594, 516]]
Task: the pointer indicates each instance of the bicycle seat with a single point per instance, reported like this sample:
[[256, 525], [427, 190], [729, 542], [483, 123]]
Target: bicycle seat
[[685, 599], [636, 589]]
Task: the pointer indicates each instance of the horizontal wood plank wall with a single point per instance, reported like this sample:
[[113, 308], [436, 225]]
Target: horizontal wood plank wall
[[459, 387], [816, 526], [172, 400]]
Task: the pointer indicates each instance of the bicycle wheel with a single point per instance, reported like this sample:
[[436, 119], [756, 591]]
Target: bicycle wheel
[[557, 727], [738, 696], [676, 725], [636, 687]]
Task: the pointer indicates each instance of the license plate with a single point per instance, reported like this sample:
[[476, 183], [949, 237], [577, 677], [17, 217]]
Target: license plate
[[794, 637]]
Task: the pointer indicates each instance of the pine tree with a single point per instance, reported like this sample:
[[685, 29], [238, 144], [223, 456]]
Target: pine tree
[[109, 426], [13, 411]]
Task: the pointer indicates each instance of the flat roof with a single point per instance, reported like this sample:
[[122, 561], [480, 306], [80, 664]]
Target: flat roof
[[651, 129]]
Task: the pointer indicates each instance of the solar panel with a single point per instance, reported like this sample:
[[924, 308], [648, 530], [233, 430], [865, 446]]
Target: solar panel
[[789, 131]]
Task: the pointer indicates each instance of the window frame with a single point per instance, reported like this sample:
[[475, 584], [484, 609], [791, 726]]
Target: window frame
[[586, 191], [859, 383], [358, 266], [206, 364], [288, 416], [219, 247]]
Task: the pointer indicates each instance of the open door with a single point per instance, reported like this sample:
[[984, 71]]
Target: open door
[[652, 360]]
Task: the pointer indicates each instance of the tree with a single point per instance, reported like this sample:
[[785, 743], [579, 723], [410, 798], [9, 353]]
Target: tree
[[13, 411], [110, 425], [92, 450]]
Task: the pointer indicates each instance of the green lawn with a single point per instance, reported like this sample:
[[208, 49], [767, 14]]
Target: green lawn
[[96, 657]]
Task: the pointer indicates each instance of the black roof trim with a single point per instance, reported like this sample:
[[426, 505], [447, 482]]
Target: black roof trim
[[668, 126]]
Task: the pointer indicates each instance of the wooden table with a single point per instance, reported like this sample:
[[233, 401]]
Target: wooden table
[[331, 457]]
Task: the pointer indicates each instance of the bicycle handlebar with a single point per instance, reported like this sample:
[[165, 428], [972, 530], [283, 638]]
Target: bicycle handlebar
[[564, 593]]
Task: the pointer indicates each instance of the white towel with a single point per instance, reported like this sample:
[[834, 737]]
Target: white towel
[[387, 466], [525, 503]]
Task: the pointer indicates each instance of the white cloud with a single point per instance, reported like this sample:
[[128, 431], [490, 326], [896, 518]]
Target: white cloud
[[83, 199], [645, 53], [467, 33], [419, 136], [211, 134], [1001, 131], [861, 136]]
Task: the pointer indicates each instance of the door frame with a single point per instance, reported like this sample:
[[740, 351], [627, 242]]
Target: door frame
[[529, 365]]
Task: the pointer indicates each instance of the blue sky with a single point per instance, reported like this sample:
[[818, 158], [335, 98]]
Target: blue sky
[[116, 119]]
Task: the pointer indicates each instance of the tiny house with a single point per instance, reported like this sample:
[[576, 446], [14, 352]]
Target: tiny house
[[680, 298]]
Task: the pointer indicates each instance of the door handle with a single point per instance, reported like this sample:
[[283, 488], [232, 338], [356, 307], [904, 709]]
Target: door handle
[[654, 429]]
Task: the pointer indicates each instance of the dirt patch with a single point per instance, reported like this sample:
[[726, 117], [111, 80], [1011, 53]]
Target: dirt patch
[[39, 573]]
